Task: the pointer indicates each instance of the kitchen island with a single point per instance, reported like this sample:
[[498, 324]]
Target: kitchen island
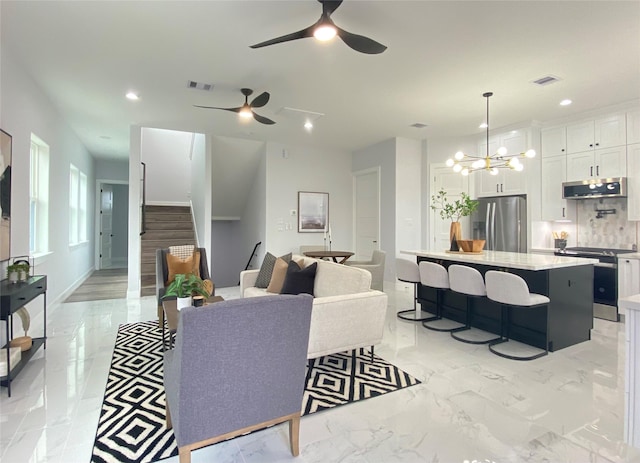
[[567, 281]]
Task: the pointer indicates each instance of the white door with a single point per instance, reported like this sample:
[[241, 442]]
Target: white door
[[454, 184], [367, 213], [106, 227]]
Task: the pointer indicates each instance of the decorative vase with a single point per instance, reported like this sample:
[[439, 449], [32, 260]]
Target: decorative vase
[[13, 277], [182, 302], [455, 231]]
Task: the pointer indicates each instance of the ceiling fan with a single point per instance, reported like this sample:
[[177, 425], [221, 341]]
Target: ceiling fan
[[325, 29], [246, 110]]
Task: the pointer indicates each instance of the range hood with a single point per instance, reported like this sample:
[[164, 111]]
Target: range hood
[[595, 188]]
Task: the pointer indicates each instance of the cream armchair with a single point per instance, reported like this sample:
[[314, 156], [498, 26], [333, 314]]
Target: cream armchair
[[375, 266]]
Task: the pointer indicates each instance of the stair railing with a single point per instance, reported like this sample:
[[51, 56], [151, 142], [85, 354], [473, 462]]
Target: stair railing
[[253, 254], [143, 218]]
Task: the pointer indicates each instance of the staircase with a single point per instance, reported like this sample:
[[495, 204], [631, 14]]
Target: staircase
[[166, 226]]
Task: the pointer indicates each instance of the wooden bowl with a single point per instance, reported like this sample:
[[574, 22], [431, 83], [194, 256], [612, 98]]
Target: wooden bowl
[[23, 342], [471, 245]]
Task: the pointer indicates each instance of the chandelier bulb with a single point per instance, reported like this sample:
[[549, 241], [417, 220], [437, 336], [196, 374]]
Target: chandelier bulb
[[465, 171], [493, 171], [459, 156], [530, 154], [457, 168], [450, 162], [502, 151]]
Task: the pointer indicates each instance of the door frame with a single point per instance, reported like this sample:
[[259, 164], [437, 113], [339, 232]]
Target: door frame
[[97, 222], [354, 176]]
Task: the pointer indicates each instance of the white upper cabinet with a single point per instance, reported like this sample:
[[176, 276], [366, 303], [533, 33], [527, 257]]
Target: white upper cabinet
[[600, 163], [507, 182], [605, 132], [633, 182], [633, 127], [553, 206], [554, 141]]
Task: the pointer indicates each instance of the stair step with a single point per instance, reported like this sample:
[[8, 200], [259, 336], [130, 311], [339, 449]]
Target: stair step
[[162, 217], [175, 235], [168, 209], [169, 225], [148, 290], [148, 268], [152, 245], [148, 280]]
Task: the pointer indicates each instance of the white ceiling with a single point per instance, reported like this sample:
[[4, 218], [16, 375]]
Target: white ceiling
[[441, 57]]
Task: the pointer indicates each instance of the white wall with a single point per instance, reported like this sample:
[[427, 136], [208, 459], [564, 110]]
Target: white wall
[[306, 169], [201, 191], [408, 195], [25, 110], [166, 154], [112, 170], [383, 154]]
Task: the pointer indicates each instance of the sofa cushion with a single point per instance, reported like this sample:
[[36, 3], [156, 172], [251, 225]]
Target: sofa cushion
[[266, 269], [299, 280], [337, 279], [177, 265]]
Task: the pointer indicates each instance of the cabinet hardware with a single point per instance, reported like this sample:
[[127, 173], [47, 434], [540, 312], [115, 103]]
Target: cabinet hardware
[[597, 170], [591, 171], [597, 144], [563, 212]]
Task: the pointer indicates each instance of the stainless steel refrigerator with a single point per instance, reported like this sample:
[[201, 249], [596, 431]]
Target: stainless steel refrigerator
[[502, 222]]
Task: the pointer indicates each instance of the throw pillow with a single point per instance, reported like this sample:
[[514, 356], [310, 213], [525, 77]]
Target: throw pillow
[[176, 265], [279, 273], [264, 275], [299, 281]]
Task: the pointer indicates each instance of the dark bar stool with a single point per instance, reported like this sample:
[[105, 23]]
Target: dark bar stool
[[435, 276], [468, 281], [512, 292], [407, 271]]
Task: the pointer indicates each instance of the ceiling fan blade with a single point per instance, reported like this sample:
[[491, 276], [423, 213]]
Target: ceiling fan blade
[[329, 6], [361, 43], [260, 100], [235, 110], [262, 119], [304, 33]]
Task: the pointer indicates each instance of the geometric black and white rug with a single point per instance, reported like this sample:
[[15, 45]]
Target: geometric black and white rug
[[132, 427]]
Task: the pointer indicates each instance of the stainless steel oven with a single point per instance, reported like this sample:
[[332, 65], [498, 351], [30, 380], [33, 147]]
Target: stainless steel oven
[[605, 278]]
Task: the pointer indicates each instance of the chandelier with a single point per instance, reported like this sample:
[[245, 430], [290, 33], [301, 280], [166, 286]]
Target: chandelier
[[501, 159]]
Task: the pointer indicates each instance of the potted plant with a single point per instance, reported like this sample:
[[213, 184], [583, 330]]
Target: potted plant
[[12, 272], [183, 287], [23, 270], [453, 211]]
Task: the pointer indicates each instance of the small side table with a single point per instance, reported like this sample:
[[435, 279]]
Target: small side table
[[171, 316]]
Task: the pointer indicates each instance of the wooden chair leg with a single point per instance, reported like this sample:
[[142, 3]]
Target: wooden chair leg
[[294, 436], [167, 414], [160, 317], [184, 455]]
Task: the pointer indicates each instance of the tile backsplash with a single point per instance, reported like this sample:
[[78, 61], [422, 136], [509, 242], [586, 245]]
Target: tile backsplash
[[611, 230]]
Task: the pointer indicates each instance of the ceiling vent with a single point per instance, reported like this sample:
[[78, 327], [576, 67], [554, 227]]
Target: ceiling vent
[[199, 85], [418, 125], [546, 80]]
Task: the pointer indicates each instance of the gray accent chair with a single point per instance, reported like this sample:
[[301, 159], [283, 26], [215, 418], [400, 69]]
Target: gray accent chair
[[375, 266], [237, 366], [162, 274]]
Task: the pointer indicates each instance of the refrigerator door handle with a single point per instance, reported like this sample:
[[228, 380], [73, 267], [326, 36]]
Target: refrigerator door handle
[[493, 227], [486, 226]]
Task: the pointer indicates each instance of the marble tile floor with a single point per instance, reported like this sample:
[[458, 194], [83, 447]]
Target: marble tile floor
[[471, 406]]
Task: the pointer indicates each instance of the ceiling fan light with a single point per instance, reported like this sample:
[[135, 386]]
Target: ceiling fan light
[[325, 32], [530, 153], [245, 113]]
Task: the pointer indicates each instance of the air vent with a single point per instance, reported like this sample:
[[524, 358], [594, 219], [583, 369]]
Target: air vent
[[546, 80], [419, 125], [199, 85]]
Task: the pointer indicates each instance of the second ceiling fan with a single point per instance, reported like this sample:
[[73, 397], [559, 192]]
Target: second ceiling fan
[[325, 29], [246, 110]]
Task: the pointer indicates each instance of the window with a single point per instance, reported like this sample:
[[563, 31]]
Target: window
[[77, 206], [38, 197]]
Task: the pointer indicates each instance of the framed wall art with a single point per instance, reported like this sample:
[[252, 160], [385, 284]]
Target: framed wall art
[[313, 212], [5, 195]]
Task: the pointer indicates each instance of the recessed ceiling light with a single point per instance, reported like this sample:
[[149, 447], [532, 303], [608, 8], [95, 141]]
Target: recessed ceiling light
[[566, 102], [132, 96], [308, 125]]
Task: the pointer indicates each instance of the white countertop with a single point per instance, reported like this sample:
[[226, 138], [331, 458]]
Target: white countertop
[[508, 259], [630, 255], [630, 303]]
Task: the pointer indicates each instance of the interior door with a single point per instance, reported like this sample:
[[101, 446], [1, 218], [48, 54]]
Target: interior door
[[454, 184], [106, 225], [367, 213]]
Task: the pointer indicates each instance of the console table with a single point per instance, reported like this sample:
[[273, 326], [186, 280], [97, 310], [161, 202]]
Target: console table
[[12, 297]]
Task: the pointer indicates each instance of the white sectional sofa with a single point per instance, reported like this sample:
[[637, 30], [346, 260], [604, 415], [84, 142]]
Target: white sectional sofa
[[347, 314]]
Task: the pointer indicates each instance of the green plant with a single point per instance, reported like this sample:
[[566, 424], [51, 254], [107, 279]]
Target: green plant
[[13, 268], [186, 286], [453, 210]]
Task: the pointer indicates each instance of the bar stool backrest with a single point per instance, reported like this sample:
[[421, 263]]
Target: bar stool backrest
[[433, 275], [511, 289], [407, 271], [466, 280]]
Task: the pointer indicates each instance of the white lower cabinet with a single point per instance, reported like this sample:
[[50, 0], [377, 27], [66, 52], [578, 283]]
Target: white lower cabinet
[[553, 206], [628, 276]]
